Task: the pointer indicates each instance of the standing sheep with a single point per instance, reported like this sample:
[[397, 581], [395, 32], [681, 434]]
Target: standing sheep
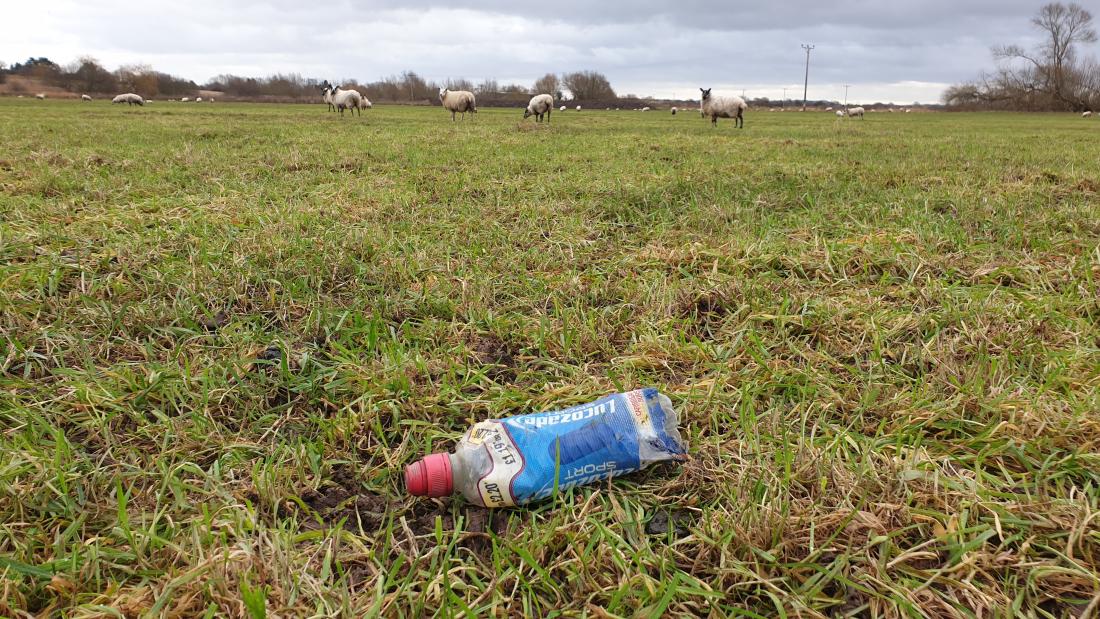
[[129, 99], [674, 110], [185, 99], [455, 101], [578, 108], [85, 98], [326, 95], [645, 109], [1086, 114], [722, 107], [561, 109], [840, 113], [856, 111], [40, 96], [347, 99], [540, 106]]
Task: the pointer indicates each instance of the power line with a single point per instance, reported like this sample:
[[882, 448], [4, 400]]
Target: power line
[[806, 86]]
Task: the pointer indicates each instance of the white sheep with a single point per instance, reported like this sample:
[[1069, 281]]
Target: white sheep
[[674, 110], [455, 101], [326, 96], [1086, 114], [198, 99], [856, 111], [85, 98], [645, 109], [562, 108], [185, 99], [840, 113], [40, 96], [828, 109], [347, 100], [578, 108], [540, 106], [723, 107], [129, 99]]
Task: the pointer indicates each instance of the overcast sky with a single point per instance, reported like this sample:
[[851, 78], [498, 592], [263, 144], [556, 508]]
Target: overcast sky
[[887, 50]]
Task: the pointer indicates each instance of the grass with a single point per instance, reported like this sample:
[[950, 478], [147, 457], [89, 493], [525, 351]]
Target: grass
[[225, 329]]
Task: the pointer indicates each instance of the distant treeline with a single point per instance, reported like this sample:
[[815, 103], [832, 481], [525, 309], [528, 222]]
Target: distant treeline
[[87, 75]]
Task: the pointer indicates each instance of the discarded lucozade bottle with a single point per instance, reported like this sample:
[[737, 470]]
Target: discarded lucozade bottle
[[516, 460]]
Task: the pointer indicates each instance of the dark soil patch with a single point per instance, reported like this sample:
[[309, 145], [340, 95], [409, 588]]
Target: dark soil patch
[[215, 322], [665, 520], [493, 351]]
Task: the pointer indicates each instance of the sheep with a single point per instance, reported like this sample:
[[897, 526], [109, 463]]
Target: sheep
[[828, 109], [185, 99], [539, 106], [840, 113], [40, 96], [856, 111], [562, 108], [674, 110], [722, 107], [645, 109], [347, 99], [1086, 114], [129, 99], [578, 108], [198, 99], [455, 101], [85, 98], [326, 96]]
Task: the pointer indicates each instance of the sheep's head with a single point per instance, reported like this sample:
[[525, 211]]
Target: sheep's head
[[442, 93], [526, 112], [706, 93]]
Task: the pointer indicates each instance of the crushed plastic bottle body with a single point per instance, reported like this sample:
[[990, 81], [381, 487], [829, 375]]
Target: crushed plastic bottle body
[[513, 461]]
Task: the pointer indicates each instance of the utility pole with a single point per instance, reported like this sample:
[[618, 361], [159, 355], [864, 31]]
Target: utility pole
[[806, 86], [846, 95], [784, 98]]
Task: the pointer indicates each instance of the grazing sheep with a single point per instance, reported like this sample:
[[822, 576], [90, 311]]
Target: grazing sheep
[[185, 99], [828, 109], [198, 99], [674, 110], [347, 99], [1086, 114], [455, 101], [856, 111], [840, 113], [645, 109], [723, 107], [578, 108], [540, 106], [562, 108], [85, 98], [40, 96], [129, 99]]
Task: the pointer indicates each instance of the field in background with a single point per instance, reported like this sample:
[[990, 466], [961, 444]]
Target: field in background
[[224, 329]]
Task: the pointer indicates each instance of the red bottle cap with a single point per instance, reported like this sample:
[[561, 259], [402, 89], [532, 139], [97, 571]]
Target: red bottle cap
[[430, 476]]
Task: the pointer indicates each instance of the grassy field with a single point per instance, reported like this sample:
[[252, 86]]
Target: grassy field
[[225, 329]]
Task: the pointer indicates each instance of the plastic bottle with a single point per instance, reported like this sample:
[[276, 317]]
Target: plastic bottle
[[505, 462]]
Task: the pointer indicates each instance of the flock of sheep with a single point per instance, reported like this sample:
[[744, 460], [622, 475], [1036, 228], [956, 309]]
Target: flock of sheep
[[540, 106]]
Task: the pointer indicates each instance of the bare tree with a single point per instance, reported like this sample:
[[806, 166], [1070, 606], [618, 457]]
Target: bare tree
[[548, 84], [488, 86], [1052, 69], [588, 86]]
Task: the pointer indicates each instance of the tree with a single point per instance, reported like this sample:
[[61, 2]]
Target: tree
[[1050, 76], [548, 84], [487, 87], [588, 86]]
